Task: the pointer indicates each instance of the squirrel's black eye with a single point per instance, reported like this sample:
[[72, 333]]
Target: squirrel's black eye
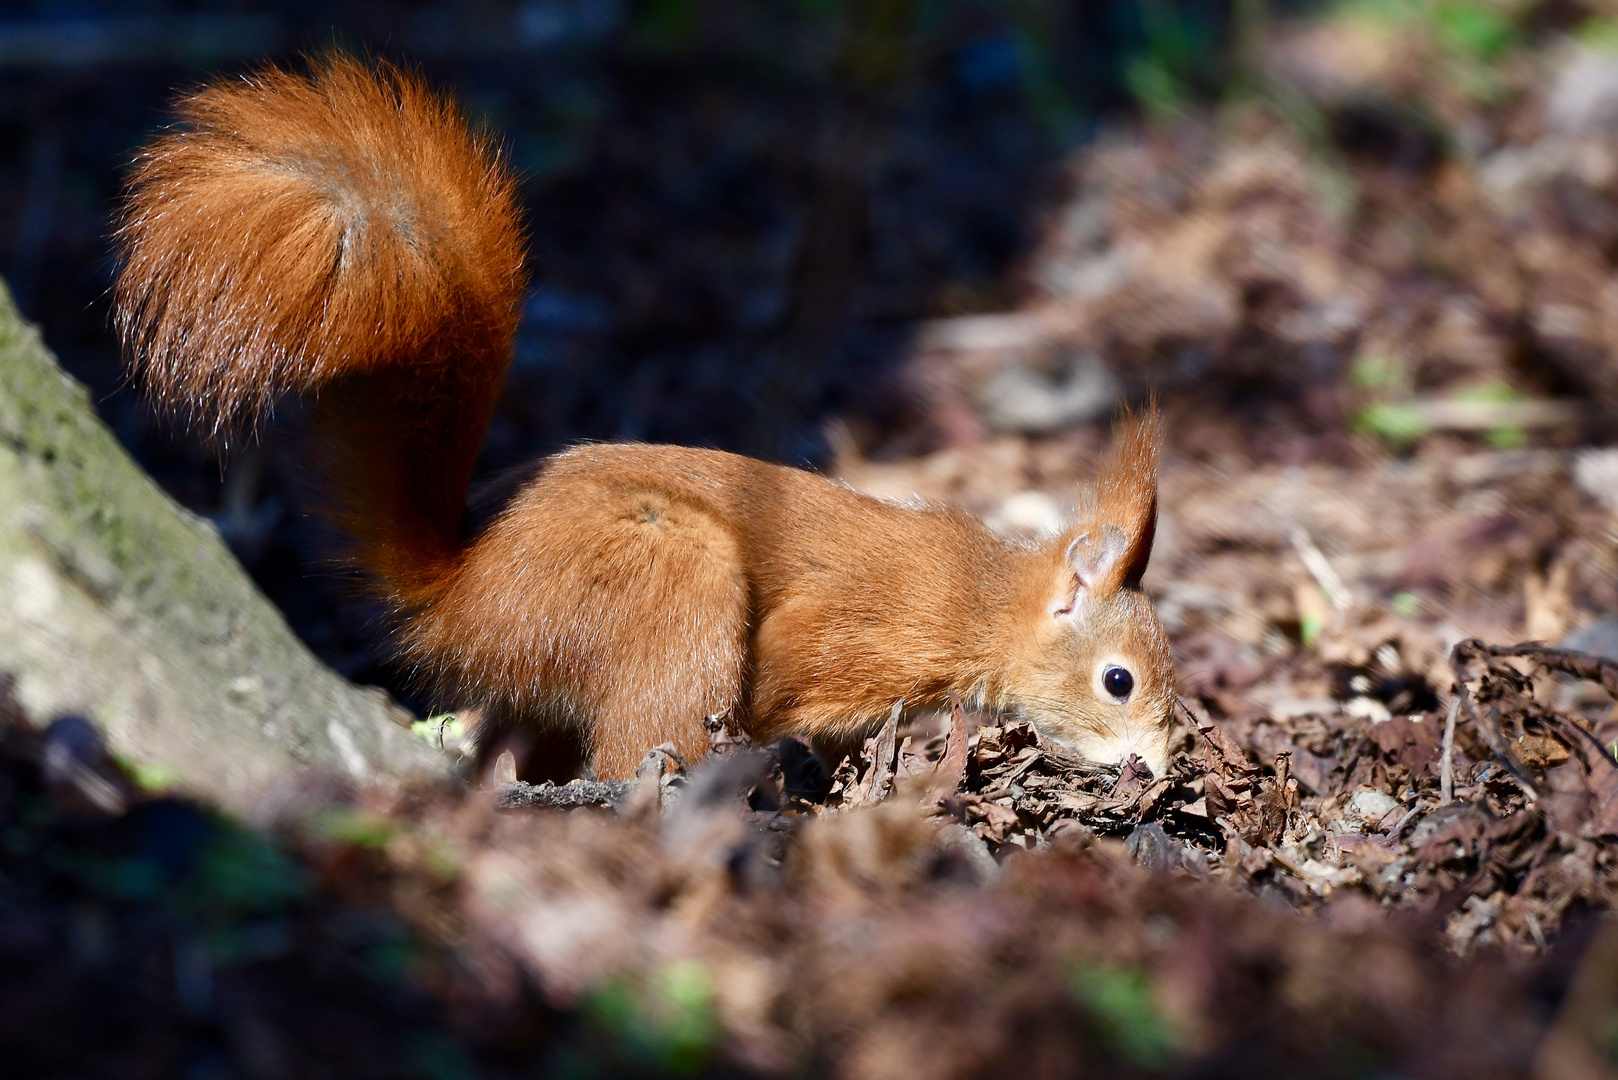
[[1118, 682]]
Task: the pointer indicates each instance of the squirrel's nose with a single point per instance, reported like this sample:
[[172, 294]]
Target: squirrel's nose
[[1150, 746]]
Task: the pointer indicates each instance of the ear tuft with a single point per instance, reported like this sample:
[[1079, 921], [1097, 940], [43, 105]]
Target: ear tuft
[[1113, 541]]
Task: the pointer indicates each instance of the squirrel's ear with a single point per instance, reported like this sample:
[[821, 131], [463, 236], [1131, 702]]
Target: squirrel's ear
[[1112, 540]]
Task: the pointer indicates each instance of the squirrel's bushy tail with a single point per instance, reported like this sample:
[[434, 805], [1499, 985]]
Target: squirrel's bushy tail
[[342, 235]]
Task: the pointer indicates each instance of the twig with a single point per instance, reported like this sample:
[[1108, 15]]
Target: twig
[[1597, 669], [1399, 826], [1450, 415], [1446, 768], [1459, 658], [571, 794], [1314, 561]]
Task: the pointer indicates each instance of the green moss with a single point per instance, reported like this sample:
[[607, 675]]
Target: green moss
[[241, 874], [357, 828], [1309, 628], [1123, 1011], [1393, 422], [1375, 371], [1599, 32], [153, 777], [442, 729], [667, 1022], [101, 526], [1479, 31]]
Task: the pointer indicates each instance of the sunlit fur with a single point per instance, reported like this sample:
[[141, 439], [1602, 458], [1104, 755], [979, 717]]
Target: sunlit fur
[[344, 237], [347, 234], [1107, 621]]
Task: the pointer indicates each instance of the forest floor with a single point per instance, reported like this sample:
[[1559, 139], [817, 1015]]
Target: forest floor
[[1377, 301]]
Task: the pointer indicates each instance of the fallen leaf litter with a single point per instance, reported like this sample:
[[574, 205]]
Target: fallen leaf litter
[[1526, 835]]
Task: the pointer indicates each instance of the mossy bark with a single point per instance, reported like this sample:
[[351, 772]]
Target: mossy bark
[[117, 604]]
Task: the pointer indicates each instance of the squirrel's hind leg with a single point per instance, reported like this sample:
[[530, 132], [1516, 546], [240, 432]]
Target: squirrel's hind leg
[[628, 607], [660, 617], [682, 658]]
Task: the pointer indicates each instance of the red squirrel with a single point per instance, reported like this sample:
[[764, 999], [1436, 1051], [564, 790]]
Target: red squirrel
[[346, 237]]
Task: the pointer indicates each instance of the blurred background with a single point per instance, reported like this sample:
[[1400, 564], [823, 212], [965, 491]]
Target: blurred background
[[931, 246]]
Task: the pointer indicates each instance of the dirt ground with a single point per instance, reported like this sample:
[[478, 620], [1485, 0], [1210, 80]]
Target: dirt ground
[[1375, 294]]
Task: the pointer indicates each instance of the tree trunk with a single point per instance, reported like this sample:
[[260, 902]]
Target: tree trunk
[[120, 606]]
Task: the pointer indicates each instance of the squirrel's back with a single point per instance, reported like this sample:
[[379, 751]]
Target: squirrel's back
[[636, 585], [343, 235]]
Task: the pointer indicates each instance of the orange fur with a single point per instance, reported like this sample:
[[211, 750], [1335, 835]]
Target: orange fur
[[346, 234], [342, 236]]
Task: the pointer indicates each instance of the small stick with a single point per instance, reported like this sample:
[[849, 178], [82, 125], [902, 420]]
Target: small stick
[[1446, 768], [1320, 568], [1448, 415], [1460, 658], [1597, 669]]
